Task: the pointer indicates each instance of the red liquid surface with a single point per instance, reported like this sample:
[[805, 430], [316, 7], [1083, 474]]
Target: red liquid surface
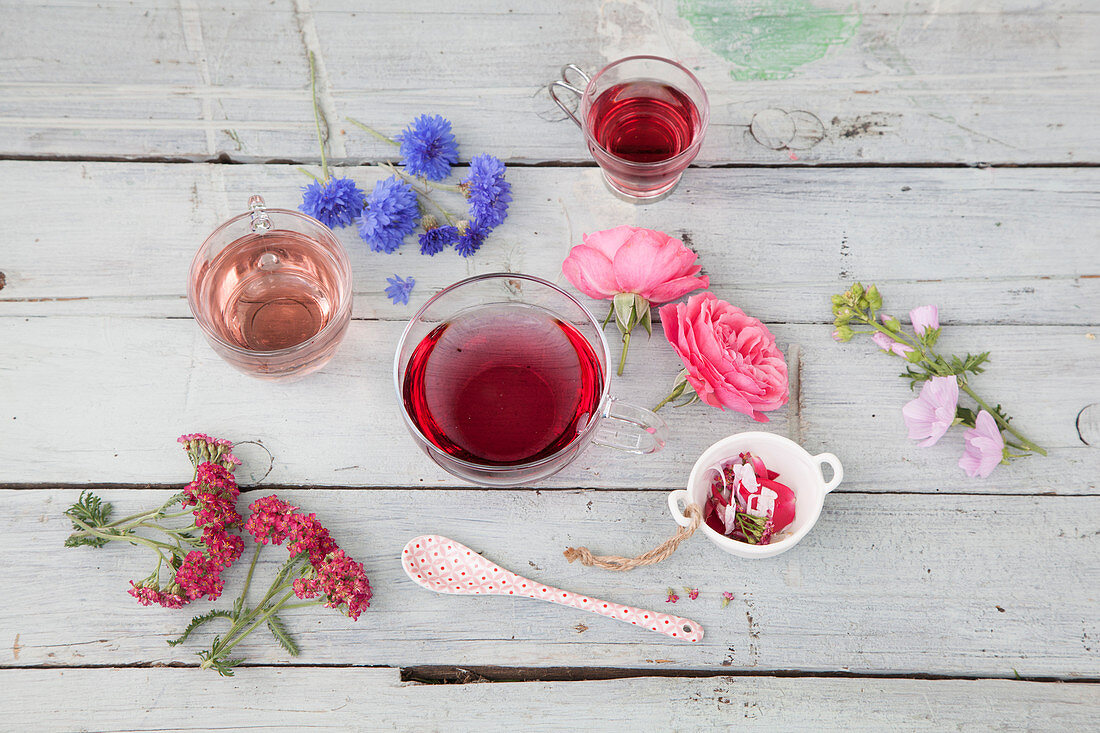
[[270, 292], [503, 385], [643, 121]]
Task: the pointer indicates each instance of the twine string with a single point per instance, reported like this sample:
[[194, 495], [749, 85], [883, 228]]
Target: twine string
[[662, 552]]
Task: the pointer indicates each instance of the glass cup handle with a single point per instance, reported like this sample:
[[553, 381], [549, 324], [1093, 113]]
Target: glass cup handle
[[632, 429], [565, 84]]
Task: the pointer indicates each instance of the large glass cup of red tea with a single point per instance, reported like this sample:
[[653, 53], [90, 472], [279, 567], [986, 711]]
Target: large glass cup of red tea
[[643, 118], [503, 380], [271, 291]]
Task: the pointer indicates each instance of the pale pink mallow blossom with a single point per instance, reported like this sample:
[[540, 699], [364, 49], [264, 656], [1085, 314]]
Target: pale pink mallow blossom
[[888, 344], [985, 447], [930, 415], [924, 318]]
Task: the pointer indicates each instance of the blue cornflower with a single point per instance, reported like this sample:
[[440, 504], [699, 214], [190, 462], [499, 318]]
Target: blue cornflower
[[437, 239], [335, 203], [428, 148], [390, 214], [472, 237], [398, 290], [487, 191]]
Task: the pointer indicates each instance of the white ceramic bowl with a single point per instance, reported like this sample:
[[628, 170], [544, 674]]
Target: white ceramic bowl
[[797, 469]]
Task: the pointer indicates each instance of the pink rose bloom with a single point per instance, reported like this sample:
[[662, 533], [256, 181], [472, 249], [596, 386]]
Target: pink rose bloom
[[633, 260], [985, 447], [931, 414], [924, 318], [730, 359], [888, 344]]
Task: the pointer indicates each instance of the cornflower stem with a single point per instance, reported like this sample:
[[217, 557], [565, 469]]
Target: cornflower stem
[[1025, 443], [303, 170], [317, 114], [372, 131], [415, 184]]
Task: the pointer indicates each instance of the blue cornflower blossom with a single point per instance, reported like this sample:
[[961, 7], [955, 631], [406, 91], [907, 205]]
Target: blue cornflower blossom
[[471, 238], [487, 191], [389, 215], [437, 239], [398, 290], [428, 148], [335, 203]]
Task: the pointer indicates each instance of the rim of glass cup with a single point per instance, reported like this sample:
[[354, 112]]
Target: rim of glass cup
[[212, 332], [601, 408], [704, 117]]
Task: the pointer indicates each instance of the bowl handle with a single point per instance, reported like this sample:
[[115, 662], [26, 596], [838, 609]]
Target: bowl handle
[[838, 470], [674, 500]]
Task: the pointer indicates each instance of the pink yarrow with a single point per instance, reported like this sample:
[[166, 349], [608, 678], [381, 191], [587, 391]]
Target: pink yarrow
[[930, 415], [199, 576], [149, 596], [270, 520], [308, 535], [985, 447], [223, 548]]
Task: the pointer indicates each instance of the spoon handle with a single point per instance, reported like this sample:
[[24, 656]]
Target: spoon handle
[[677, 627]]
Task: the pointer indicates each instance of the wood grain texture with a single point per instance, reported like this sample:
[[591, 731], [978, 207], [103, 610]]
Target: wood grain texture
[[989, 246], [904, 82], [954, 585], [124, 388], [375, 699]]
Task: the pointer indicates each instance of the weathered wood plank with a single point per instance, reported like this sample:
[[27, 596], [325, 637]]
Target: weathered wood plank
[[354, 699], [124, 388], [989, 246], [884, 82], [963, 585]]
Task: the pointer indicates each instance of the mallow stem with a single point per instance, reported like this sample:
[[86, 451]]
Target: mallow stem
[[1027, 444]]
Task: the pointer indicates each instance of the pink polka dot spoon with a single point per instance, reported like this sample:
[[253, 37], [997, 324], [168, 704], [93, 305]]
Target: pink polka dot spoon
[[442, 565]]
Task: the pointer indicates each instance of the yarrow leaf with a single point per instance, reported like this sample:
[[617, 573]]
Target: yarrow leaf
[[199, 621], [278, 630], [90, 510]]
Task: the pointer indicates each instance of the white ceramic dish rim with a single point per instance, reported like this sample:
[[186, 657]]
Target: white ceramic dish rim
[[721, 450]]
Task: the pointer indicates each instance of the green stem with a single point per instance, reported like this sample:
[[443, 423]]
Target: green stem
[[610, 313], [303, 170], [372, 131], [132, 539], [317, 115], [663, 402], [1027, 444], [228, 646], [451, 218], [622, 357], [303, 604], [251, 569]]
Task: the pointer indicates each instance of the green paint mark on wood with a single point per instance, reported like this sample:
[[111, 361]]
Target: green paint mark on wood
[[767, 39]]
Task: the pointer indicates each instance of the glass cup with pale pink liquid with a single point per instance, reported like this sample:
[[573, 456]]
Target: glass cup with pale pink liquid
[[271, 291], [503, 380], [644, 118]]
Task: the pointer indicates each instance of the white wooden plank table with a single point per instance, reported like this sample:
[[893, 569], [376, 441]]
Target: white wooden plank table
[[945, 150]]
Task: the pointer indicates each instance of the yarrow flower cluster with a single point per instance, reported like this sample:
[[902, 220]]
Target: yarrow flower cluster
[[191, 560], [189, 557], [936, 409]]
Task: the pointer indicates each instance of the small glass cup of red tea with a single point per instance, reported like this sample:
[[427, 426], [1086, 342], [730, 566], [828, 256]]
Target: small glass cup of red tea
[[271, 291], [503, 380], [643, 118]]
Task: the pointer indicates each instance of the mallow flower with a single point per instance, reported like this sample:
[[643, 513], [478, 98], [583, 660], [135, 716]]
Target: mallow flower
[[930, 415], [985, 447]]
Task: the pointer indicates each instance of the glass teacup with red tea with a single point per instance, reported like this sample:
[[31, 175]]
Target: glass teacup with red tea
[[503, 380], [644, 118]]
